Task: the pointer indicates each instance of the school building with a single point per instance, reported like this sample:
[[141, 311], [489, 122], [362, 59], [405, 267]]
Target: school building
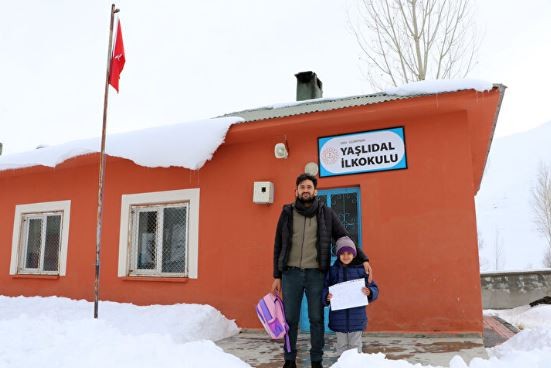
[[401, 171]]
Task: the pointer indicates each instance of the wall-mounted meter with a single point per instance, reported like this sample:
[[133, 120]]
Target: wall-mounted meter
[[263, 192]]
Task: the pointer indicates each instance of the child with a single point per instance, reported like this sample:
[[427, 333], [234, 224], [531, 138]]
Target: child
[[348, 323]]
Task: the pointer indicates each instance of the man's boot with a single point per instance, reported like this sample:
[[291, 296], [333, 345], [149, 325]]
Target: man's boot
[[317, 365], [290, 364]]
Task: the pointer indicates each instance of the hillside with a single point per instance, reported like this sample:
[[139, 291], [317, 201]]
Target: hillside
[[504, 203]]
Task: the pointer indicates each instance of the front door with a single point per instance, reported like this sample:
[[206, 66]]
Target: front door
[[346, 203]]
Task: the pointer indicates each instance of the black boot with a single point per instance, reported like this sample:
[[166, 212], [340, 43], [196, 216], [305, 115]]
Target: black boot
[[290, 364], [317, 365]]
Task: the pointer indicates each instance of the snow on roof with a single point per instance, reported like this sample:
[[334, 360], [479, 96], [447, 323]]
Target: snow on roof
[[396, 93], [439, 86], [188, 145], [191, 144]]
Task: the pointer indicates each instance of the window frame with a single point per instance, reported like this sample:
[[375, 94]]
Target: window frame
[[159, 208], [20, 236], [128, 228]]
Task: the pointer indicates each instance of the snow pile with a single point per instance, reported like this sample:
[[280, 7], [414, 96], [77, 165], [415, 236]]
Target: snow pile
[[439, 86], [530, 348], [206, 323], [187, 145], [511, 357], [525, 341], [353, 359], [525, 316], [59, 332]]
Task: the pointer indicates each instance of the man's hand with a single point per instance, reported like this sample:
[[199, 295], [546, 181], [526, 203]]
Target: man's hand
[[276, 287], [366, 291], [369, 271]]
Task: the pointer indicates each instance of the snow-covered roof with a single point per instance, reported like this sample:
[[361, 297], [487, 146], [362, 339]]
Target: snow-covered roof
[[191, 144], [406, 91], [188, 145]]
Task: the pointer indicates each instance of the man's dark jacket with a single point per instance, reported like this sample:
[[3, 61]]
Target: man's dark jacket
[[329, 227]]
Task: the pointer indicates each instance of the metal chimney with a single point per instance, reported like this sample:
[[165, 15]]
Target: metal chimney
[[308, 86]]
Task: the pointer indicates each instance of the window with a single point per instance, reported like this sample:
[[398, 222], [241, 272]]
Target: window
[[159, 233], [159, 239], [40, 237]]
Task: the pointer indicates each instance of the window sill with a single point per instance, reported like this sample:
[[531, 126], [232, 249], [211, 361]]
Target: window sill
[[156, 279], [35, 276]]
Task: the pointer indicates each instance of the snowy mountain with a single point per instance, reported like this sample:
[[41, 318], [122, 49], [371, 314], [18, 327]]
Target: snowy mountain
[[508, 239]]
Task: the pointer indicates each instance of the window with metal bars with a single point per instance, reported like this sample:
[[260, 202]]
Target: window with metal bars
[[40, 242], [159, 239]]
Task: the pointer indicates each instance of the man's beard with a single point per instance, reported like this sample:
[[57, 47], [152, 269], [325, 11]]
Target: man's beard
[[309, 200]]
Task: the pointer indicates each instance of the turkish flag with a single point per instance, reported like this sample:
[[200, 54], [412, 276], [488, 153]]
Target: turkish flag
[[117, 60]]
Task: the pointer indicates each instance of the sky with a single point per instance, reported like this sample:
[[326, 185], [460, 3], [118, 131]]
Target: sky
[[199, 59], [55, 332]]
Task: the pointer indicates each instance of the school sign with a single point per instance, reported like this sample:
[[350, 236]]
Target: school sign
[[356, 153]]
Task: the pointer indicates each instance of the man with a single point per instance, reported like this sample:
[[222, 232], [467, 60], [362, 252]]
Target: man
[[302, 253]]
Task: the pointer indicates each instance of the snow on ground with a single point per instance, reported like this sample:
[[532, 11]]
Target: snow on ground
[[529, 348], [525, 317], [532, 346], [61, 333]]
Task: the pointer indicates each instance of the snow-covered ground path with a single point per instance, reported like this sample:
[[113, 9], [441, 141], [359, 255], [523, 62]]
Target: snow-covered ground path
[[61, 333]]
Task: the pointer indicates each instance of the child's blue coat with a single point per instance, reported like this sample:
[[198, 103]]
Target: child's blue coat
[[352, 319]]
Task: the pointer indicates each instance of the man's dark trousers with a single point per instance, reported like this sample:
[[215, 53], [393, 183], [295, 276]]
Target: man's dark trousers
[[294, 283]]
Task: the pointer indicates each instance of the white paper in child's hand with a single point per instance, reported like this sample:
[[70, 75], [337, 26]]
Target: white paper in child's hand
[[348, 294]]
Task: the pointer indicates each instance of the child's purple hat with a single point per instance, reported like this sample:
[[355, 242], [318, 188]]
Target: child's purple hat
[[345, 244]]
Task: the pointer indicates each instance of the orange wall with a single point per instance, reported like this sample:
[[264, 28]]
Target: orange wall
[[419, 226]]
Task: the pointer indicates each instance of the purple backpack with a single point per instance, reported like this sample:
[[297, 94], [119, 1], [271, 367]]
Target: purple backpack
[[272, 316]]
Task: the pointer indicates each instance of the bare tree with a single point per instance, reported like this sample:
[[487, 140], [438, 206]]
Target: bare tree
[[410, 40], [483, 262], [499, 252], [541, 195]]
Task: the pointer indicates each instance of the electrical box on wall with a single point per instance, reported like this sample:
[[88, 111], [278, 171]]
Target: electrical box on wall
[[263, 192]]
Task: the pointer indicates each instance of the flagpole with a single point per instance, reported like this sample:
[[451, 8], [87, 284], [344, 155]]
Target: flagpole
[[102, 162]]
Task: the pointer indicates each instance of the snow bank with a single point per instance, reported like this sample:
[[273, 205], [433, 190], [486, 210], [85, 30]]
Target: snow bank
[[353, 359], [182, 322], [531, 348], [439, 86], [525, 316], [528, 340], [187, 145], [61, 333]]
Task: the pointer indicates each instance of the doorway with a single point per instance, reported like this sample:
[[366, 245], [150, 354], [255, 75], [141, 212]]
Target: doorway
[[346, 204]]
